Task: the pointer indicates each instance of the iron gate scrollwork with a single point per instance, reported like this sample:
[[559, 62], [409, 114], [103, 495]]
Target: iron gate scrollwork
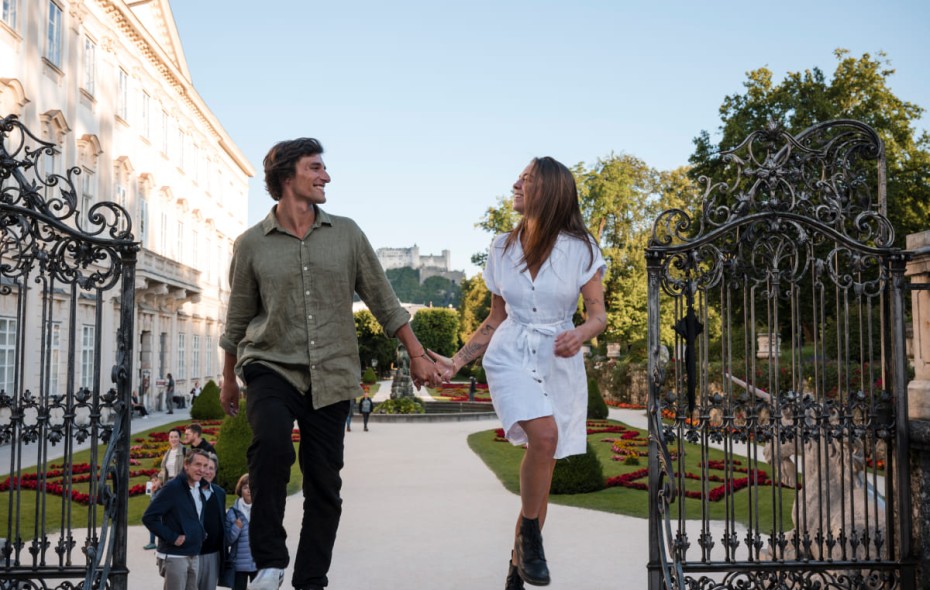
[[778, 431], [62, 524]]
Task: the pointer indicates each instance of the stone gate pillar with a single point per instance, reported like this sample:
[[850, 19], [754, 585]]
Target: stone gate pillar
[[918, 400]]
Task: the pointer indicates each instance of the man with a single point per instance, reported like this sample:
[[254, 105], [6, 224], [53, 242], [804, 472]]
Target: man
[[214, 523], [193, 437], [174, 516], [290, 334], [365, 406]]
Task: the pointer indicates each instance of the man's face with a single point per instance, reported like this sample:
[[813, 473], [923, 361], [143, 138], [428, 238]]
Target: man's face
[[309, 182], [188, 436], [195, 469]]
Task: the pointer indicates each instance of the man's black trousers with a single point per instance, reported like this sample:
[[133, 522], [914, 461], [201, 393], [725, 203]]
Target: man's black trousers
[[272, 407]]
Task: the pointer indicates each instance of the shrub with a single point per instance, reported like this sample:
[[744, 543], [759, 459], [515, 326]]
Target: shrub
[[480, 375], [597, 408], [207, 405], [578, 474], [231, 446], [631, 460], [369, 377], [401, 405]]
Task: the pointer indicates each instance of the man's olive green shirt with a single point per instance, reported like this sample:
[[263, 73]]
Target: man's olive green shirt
[[290, 305]]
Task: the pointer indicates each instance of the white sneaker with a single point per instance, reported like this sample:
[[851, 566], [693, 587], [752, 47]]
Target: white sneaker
[[269, 578]]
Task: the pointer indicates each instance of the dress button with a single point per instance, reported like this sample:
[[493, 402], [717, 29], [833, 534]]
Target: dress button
[[534, 352], [534, 309]]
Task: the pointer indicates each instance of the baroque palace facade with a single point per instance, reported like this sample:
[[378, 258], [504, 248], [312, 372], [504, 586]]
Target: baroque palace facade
[[107, 82]]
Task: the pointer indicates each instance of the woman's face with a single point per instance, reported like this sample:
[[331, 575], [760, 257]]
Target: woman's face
[[246, 494], [174, 439], [522, 188], [209, 472]]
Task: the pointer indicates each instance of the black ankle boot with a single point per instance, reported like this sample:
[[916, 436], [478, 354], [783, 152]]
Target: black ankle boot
[[531, 559], [514, 581]]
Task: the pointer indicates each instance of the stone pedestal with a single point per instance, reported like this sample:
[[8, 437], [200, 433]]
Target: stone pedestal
[[918, 269], [918, 402]]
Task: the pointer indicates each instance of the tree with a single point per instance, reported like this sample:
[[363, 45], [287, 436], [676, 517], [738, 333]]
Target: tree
[[497, 220], [406, 283], [437, 329], [858, 90], [475, 307], [373, 343]]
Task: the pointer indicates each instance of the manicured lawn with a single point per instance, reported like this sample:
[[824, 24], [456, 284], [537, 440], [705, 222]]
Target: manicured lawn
[[79, 512], [504, 460]]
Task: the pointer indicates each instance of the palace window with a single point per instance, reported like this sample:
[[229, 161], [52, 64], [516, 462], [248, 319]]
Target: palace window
[[8, 13], [195, 356], [181, 356], [90, 65], [87, 355], [122, 100], [53, 34], [7, 354]]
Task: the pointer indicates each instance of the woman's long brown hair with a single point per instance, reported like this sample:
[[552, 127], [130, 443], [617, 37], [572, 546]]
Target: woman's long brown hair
[[550, 209]]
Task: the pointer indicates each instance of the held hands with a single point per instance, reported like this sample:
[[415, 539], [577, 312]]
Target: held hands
[[568, 343], [424, 371], [446, 365]]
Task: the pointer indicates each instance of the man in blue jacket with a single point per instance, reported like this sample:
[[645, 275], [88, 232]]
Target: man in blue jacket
[[175, 516]]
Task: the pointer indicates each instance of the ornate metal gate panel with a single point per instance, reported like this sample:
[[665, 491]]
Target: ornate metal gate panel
[[65, 272], [778, 429]]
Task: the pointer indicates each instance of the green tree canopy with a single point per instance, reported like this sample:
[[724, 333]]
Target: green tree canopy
[[373, 343], [857, 90], [437, 329], [476, 304]]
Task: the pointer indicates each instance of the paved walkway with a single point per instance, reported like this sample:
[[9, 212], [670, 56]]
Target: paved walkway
[[421, 510]]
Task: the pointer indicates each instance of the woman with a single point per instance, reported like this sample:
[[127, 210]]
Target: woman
[[532, 351], [172, 463], [214, 523], [237, 535]]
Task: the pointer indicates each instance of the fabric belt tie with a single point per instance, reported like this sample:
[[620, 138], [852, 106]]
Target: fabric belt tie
[[529, 336]]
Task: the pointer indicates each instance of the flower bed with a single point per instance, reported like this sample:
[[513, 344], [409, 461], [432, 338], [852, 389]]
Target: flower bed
[[55, 479]]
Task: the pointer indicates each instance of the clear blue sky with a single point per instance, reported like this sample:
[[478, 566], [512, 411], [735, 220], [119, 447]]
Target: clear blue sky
[[428, 109]]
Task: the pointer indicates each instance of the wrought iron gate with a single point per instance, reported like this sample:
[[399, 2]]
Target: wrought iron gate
[[778, 429], [66, 270]]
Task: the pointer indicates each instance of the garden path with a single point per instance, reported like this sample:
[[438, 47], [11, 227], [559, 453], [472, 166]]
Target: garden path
[[422, 511]]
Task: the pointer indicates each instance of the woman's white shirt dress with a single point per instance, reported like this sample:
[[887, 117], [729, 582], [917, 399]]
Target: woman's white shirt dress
[[525, 377]]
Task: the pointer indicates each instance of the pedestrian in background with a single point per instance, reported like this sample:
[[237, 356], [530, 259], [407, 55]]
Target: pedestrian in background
[[365, 407], [172, 463], [237, 535], [169, 394], [214, 524], [352, 408], [175, 517]]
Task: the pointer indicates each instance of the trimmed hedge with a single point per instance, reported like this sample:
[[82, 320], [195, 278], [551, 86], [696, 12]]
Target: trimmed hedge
[[234, 439], [369, 377], [207, 405], [597, 407], [578, 474]]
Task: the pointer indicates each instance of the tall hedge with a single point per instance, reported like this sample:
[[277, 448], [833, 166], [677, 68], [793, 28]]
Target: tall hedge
[[207, 405], [597, 407], [231, 446]]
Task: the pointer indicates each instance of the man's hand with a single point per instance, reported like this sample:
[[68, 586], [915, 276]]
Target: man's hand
[[229, 396], [425, 372], [180, 540]]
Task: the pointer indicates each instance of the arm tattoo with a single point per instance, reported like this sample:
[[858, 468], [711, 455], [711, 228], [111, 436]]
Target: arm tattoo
[[592, 301], [487, 329], [470, 352]]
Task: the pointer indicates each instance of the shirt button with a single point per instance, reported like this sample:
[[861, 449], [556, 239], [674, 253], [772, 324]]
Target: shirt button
[[305, 268], [312, 343], [309, 317], [312, 367], [308, 292]]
